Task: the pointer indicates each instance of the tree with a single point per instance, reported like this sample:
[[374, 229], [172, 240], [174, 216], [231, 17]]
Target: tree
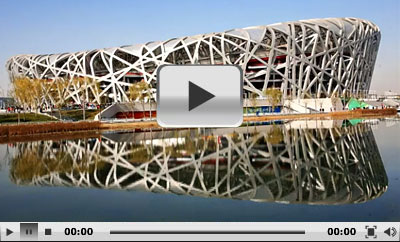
[[22, 92], [253, 99], [335, 99], [84, 85], [275, 135], [139, 92], [80, 85], [47, 98], [37, 93], [60, 89], [274, 96]]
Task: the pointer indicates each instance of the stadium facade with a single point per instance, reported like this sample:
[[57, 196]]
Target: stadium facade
[[315, 58]]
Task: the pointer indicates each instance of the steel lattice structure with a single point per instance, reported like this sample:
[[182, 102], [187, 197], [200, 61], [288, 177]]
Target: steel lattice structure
[[314, 166], [308, 58]]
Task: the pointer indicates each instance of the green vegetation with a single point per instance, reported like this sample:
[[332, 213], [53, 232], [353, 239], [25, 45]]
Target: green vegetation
[[29, 92], [275, 136], [190, 145], [47, 128], [32, 94], [28, 117], [30, 163], [356, 104], [140, 155], [139, 91], [273, 95], [253, 99], [76, 114]]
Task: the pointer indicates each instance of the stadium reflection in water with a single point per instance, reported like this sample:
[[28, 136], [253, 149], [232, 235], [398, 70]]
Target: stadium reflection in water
[[316, 162]]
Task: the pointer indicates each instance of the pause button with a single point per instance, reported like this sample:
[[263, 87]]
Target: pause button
[[28, 231]]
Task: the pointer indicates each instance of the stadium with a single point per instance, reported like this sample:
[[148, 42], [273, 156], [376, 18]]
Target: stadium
[[317, 58]]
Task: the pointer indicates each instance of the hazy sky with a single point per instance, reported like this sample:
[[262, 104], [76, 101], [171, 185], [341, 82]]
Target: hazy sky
[[42, 27]]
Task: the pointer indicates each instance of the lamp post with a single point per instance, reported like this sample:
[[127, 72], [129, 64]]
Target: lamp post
[[83, 106]]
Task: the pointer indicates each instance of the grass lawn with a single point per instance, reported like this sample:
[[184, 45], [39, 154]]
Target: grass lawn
[[28, 117], [76, 115]]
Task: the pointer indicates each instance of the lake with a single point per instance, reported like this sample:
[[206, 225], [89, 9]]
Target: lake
[[331, 170]]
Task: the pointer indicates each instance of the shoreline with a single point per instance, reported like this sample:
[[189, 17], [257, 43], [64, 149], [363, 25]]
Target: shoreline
[[92, 129]]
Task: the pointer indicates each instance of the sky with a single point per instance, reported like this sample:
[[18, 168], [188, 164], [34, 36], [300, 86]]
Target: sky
[[45, 26]]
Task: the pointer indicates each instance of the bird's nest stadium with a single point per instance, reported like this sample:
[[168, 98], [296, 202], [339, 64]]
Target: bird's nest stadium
[[315, 58]]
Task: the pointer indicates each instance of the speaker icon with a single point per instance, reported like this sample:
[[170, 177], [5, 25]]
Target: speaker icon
[[391, 231]]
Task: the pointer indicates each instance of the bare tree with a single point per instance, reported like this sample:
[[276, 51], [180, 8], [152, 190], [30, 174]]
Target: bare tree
[[139, 92], [86, 86], [37, 93], [22, 92], [60, 90], [274, 96]]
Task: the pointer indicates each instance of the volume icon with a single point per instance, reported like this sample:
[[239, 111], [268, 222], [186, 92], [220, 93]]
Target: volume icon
[[391, 231]]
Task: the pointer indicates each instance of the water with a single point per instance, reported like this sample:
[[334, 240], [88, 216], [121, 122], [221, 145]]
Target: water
[[293, 171]]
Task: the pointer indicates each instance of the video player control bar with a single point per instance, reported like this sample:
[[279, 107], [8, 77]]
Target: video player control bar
[[187, 231]]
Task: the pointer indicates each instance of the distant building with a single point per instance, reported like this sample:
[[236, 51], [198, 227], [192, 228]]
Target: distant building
[[6, 102], [391, 94]]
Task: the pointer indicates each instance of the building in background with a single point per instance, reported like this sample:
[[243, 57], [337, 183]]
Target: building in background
[[6, 102], [317, 58]]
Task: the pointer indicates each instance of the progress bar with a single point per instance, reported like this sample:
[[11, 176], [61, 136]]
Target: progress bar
[[197, 231], [207, 232]]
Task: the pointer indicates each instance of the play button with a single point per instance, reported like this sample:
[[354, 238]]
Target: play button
[[8, 232], [199, 96]]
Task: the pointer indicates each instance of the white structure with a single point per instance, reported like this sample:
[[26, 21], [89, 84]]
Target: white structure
[[314, 105], [391, 94], [314, 58]]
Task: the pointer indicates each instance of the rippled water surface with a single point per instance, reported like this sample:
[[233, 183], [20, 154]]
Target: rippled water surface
[[291, 171]]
